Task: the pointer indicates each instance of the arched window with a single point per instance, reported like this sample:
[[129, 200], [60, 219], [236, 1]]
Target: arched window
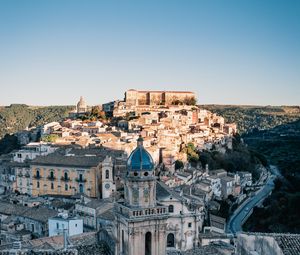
[[123, 241], [171, 208], [170, 240], [80, 188], [80, 178], [148, 238], [66, 176], [38, 173], [51, 174], [106, 174]]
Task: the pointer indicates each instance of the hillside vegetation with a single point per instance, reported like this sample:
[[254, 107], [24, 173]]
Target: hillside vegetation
[[249, 118], [281, 146], [17, 117]]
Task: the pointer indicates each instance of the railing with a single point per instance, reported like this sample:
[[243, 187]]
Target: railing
[[51, 178], [80, 180], [37, 177], [133, 213], [65, 179], [160, 210]]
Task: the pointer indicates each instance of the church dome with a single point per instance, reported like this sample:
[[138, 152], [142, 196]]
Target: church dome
[[81, 105], [140, 159]]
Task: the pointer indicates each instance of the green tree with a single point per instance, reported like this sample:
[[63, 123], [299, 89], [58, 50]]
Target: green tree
[[191, 152], [190, 101], [50, 138], [178, 164]]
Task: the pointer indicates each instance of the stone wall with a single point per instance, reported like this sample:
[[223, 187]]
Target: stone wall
[[247, 244]]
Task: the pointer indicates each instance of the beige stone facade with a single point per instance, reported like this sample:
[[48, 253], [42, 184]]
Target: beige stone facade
[[64, 180], [137, 97]]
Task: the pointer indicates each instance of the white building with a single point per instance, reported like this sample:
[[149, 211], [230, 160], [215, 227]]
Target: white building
[[49, 128], [215, 185], [227, 187], [32, 150], [72, 225]]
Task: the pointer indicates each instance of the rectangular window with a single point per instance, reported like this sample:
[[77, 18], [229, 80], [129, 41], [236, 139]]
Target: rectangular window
[[189, 224], [57, 225], [19, 155]]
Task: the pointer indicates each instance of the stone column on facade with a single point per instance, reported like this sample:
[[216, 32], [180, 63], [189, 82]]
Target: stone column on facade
[[45, 181], [59, 176]]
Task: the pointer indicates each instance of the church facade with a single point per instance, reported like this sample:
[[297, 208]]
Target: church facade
[[152, 219]]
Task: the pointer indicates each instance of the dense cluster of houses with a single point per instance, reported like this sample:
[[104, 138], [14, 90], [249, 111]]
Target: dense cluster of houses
[[70, 185]]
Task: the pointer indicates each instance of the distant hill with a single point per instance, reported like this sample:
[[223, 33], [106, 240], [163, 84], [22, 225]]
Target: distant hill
[[250, 118], [17, 117]]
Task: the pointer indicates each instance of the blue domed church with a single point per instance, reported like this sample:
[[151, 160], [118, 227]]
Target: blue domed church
[[152, 219], [141, 220]]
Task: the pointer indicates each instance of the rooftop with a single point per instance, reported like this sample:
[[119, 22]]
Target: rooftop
[[40, 214], [84, 158]]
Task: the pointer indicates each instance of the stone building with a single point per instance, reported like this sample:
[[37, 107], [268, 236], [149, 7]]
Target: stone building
[[152, 219], [77, 171], [137, 97]]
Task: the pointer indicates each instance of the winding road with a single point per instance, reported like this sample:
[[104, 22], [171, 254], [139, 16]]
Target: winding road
[[236, 221]]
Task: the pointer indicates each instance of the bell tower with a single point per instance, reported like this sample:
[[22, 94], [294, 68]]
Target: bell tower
[[140, 185], [108, 186], [141, 221]]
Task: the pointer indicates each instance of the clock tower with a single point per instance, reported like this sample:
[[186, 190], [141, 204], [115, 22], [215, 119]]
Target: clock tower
[[108, 186]]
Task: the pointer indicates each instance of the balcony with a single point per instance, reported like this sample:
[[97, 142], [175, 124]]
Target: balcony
[[51, 178], [80, 179], [65, 179], [37, 177], [158, 211]]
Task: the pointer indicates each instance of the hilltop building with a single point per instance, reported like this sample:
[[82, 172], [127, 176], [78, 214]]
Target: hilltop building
[[140, 97]]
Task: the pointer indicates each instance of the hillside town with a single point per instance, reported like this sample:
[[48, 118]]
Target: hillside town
[[123, 178]]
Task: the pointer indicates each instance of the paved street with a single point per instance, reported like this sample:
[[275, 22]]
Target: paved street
[[235, 222]]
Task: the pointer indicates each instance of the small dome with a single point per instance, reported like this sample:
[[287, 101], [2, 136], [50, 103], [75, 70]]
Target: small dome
[[81, 103], [140, 159]]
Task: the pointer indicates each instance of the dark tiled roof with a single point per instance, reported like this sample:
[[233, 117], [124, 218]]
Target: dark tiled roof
[[107, 215], [40, 214], [289, 244], [73, 161], [56, 242], [163, 191], [76, 157]]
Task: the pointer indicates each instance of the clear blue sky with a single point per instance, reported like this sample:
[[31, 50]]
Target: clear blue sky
[[228, 52]]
